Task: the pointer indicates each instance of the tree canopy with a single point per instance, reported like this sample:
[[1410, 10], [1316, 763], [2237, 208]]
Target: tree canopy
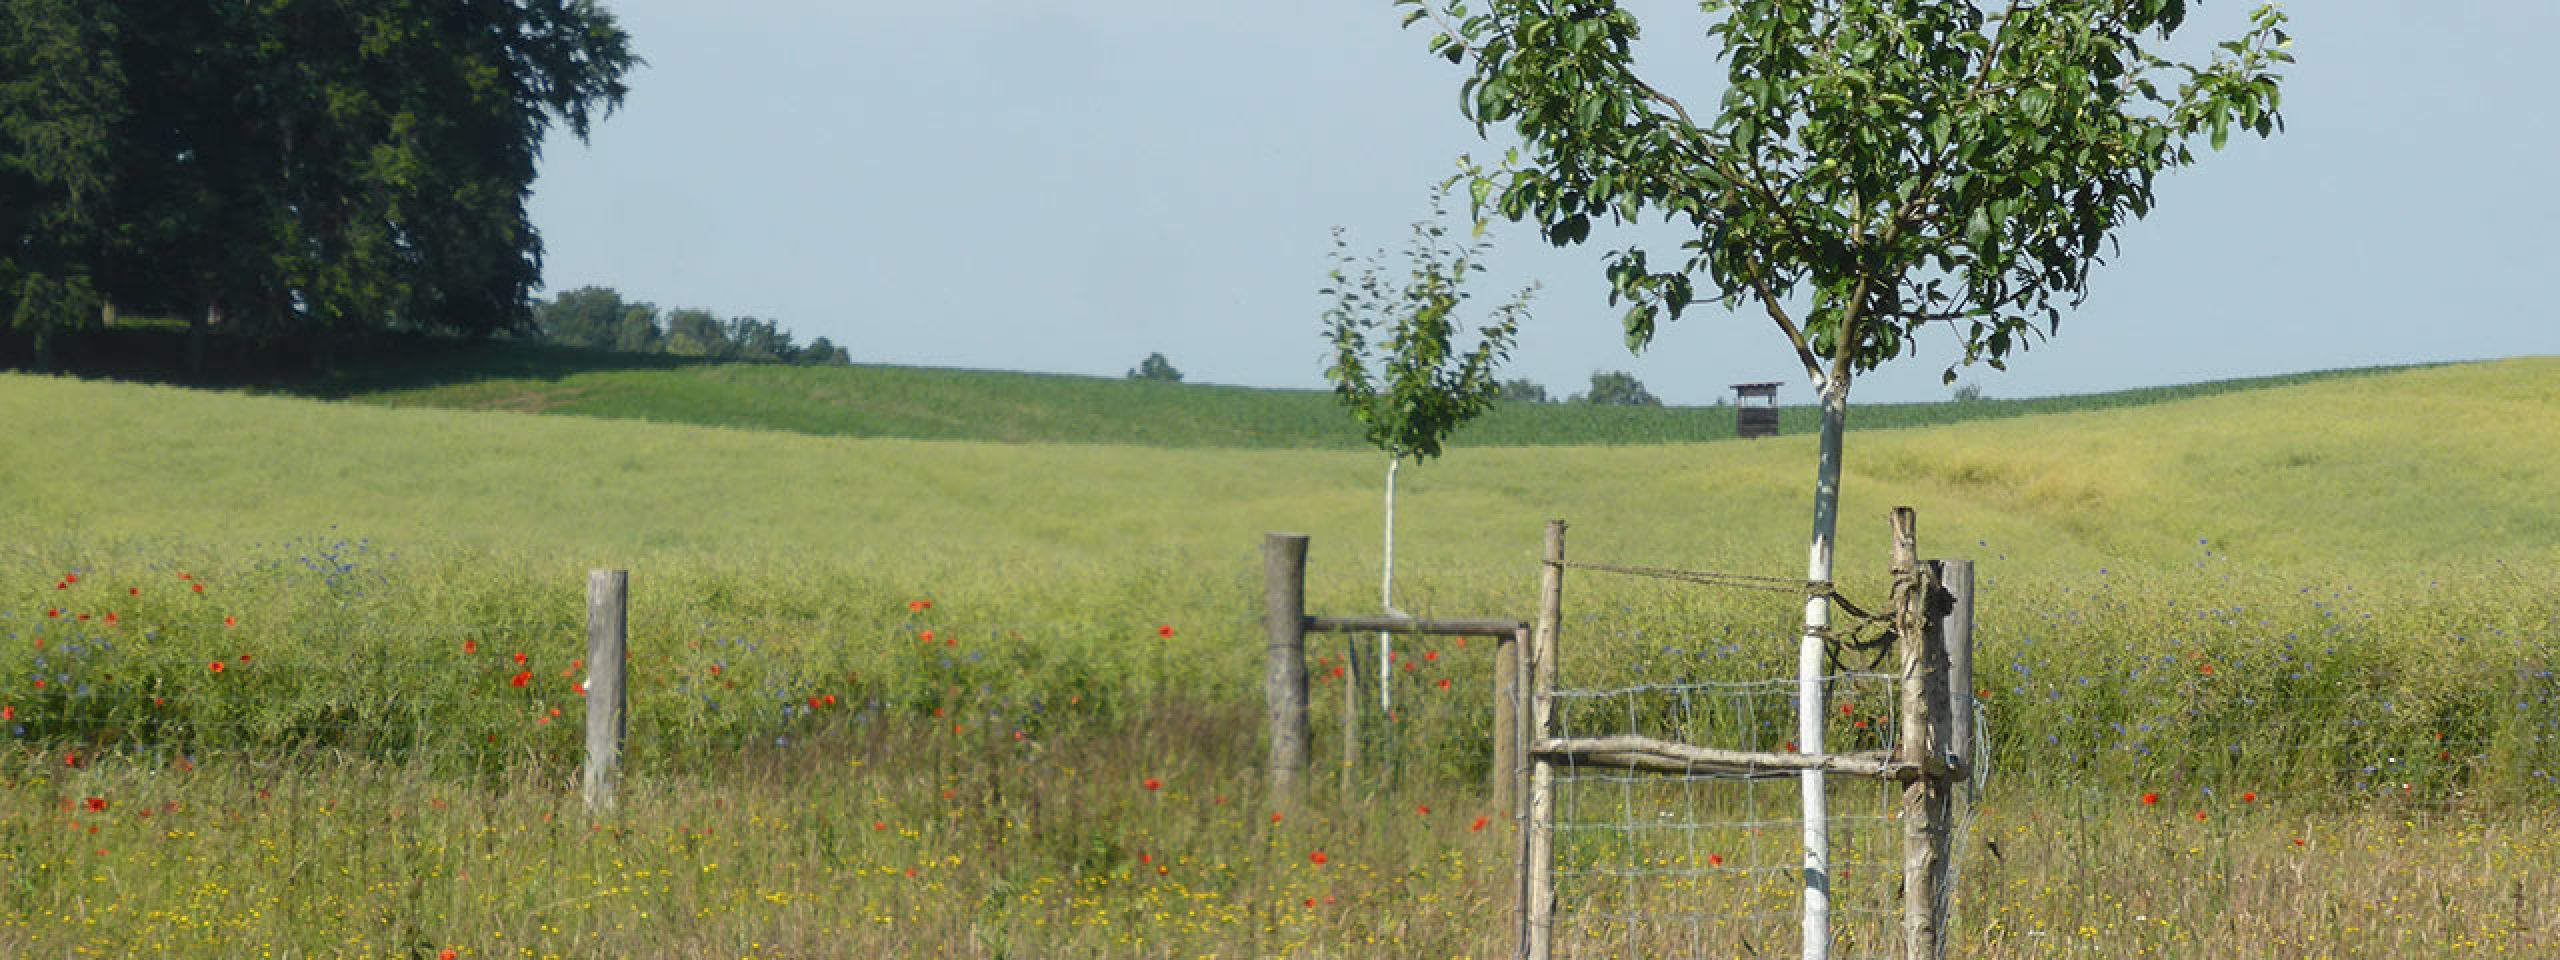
[[297, 168], [1871, 168]]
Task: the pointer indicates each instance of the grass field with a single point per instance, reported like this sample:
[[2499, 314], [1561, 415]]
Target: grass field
[[2361, 561]]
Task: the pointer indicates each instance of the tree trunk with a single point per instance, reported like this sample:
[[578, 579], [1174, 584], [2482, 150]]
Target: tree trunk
[[1387, 596], [196, 324], [1811, 704]]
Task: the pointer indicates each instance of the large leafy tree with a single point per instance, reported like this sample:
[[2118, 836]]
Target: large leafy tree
[[318, 168], [1872, 171], [60, 102]]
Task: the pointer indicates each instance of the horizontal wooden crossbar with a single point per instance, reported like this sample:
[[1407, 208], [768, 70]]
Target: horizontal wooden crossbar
[[1409, 625], [1658, 756]]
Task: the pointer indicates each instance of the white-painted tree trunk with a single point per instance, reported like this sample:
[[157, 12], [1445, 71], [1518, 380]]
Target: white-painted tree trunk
[[1387, 596], [1811, 705]]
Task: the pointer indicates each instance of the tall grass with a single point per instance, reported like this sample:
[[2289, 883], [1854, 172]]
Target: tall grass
[[2359, 562]]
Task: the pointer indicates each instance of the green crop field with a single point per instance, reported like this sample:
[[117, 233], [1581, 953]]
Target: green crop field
[[939, 404], [2268, 670]]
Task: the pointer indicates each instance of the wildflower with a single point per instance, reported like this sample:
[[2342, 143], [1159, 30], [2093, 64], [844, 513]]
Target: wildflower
[[926, 636], [244, 658], [1444, 683], [71, 760], [1715, 859], [1165, 631], [829, 699], [520, 658], [230, 621], [2149, 799], [521, 678], [133, 591], [97, 804], [2200, 816], [919, 606], [199, 588], [2249, 797], [216, 666], [1275, 816], [1316, 858], [52, 612], [1422, 809], [1311, 903], [2207, 669], [1431, 655], [471, 646], [1478, 826], [183, 575], [8, 713], [879, 825], [1152, 784], [447, 954], [1847, 708], [1337, 671], [813, 703]]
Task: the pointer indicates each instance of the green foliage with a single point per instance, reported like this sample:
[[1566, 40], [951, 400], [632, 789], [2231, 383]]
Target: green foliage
[[598, 318], [1895, 163], [1394, 364], [1523, 390], [308, 170], [1155, 367], [1617, 389], [1968, 393]]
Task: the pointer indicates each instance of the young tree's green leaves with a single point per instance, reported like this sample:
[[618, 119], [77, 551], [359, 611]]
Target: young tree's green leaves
[[1902, 163], [1394, 363]]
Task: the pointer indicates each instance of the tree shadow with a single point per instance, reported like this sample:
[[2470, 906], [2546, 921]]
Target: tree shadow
[[334, 370]]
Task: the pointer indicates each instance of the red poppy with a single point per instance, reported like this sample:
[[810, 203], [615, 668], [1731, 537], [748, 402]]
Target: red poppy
[[1316, 858], [919, 606], [2249, 797], [521, 678], [8, 713], [1165, 631], [199, 588], [133, 591], [1431, 655], [1848, 708], [829, 699], [877, 825], [97, 804], [1153, 784], [447, 954], [70, 759], [813, 703], [1275, 816], [926, 636], [1444, 683], [1715, 859], [1478, 826], [183, 575], [2207, 669], [1337, 671], [955, 729], [51, 612], [1146, 858], [2200, 816], [2150, 798], [244, 658], [217, 666], [519, 658], [1422, 809], [471, 646], [230, 621]]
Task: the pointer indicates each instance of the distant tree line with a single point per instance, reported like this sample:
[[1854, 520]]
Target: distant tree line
[[599, 318], [292, 172], [1608, 388]]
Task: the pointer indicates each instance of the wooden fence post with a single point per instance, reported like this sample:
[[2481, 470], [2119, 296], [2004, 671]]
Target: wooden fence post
[[608, 603], [1956, 578], [1538, 834], [1927, 800], [1506, 719], [1284, 674], [1350, 712]]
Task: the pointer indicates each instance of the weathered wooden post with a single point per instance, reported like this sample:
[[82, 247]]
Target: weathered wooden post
[[1927, 801], [1538, 835], [608, 601], [1506, 719], [1350, 712], [1955, 578], [1284, 673]]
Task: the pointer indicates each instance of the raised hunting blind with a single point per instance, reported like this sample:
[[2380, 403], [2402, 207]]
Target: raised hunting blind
[[1758, 419]]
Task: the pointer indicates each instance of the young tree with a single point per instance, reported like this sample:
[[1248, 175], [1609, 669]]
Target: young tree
[[1872, 169], [1395, 367], [1156, 367]]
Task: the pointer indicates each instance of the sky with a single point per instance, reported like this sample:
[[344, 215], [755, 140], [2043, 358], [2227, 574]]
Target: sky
[[1067, 187]]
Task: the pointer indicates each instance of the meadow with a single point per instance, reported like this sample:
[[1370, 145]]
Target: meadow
[[2269, 673]]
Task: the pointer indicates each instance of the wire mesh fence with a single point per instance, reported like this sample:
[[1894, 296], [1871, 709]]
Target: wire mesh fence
[[1705, 864]]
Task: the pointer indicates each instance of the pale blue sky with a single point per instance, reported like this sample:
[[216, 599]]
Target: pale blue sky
[[1054, 186]]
